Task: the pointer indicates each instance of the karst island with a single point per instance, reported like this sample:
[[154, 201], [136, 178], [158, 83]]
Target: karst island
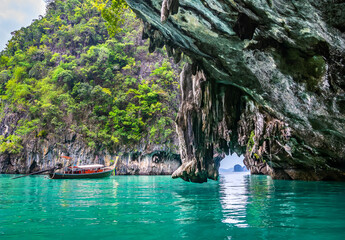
[[172, 119]]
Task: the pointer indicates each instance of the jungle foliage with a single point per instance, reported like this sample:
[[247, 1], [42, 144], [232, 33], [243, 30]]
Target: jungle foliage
[[64, 73]]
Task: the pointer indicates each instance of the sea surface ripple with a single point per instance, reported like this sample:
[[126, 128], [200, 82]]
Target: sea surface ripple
[[238, 206]]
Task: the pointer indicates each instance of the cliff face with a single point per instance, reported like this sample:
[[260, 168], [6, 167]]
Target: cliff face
[[38, 154], [68, 88], [266, 80]]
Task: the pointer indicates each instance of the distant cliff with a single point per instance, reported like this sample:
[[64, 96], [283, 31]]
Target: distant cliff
[[266, 80], [67, 88]]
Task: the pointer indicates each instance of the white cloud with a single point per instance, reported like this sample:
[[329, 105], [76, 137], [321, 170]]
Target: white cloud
[[15, 14]]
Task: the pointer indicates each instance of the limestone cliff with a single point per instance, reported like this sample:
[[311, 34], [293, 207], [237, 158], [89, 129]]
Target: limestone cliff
[[38, 154], [68, 88], [267, 80]]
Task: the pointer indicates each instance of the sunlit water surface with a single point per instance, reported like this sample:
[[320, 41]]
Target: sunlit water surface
[[238, 206]]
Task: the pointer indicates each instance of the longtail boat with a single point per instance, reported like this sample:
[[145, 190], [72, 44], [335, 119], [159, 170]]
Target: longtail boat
[[83, 171], [76, 171]]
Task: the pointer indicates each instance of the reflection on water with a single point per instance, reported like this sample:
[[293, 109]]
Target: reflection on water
[[260, 189], [238, 206], [233, 198], [271, 209]]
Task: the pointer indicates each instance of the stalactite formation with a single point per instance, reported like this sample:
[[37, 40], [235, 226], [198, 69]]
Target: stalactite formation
[[266, 80]]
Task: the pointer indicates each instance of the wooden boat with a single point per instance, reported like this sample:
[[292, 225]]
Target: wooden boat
[[75, 172], [83, 171]]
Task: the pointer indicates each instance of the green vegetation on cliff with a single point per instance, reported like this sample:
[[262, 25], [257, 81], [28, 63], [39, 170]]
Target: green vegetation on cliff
[[64, 73]]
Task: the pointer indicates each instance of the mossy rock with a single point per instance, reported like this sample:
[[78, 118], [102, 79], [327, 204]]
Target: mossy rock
[[303, 68]]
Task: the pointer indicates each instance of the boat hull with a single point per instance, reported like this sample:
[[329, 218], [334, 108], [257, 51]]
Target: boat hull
[[81, 176]]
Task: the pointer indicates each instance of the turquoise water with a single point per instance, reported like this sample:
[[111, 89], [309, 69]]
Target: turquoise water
[[239, 206]]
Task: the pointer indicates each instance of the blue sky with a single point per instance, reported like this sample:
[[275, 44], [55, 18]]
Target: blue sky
[[231, 161], [15, 14]]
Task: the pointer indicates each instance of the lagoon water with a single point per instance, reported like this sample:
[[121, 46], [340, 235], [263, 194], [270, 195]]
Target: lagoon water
[[238, 206]]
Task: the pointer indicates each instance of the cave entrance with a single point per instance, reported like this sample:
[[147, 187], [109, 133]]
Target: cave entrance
[[232, 163]]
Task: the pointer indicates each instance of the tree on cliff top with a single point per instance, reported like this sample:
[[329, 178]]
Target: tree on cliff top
[[64, 74]]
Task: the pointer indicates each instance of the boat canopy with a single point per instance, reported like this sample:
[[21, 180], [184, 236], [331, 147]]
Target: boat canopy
[[90, 166]]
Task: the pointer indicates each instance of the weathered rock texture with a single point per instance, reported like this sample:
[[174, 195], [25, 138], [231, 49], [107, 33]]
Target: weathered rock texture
[[152, 163], [267, 80], [39, 154]]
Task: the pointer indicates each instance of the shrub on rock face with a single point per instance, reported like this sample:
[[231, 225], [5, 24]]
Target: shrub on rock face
[[64, 74], [10, 144]]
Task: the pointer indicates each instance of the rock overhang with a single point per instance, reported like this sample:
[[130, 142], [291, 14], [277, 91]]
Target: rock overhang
[[287, 62]]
